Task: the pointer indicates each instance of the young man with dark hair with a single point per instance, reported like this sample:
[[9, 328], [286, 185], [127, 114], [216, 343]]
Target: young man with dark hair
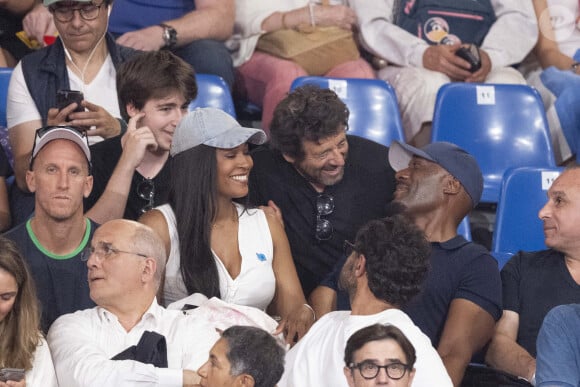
[[244, 356], [155, 89], [369, 347], [326, 184]]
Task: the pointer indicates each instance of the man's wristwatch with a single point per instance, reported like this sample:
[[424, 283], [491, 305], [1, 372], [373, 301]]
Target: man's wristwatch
[[169, 35]]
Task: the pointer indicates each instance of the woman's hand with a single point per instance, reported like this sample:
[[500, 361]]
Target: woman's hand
[[334, 15], [296, 324], [12, 383]]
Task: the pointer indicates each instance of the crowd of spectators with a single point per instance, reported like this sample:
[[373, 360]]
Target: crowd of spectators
[[121, 206]]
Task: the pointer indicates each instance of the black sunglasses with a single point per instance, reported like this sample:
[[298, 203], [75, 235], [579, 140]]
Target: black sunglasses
[[324, 207], [146, 191]]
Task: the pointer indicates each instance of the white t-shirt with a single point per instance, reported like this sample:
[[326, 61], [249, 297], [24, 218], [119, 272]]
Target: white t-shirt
[[565, 18], [101, 91], [318, 358]]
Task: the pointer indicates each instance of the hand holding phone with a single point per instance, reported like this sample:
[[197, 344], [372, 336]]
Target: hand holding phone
[[65, 97], [15, 374], [470, 54]]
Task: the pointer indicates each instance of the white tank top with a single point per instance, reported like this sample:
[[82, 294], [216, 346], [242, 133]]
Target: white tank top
[[254, 286]]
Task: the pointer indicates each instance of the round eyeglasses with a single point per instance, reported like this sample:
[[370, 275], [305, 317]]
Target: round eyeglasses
[[370, 370], [65, 13]]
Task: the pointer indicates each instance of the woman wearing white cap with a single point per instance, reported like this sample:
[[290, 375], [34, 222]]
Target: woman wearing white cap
[[216, 245]]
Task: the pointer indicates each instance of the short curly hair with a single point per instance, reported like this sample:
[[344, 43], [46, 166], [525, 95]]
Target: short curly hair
[[397, 258], [307, 113]]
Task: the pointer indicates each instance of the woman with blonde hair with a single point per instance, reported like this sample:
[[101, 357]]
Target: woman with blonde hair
[[21, 343]]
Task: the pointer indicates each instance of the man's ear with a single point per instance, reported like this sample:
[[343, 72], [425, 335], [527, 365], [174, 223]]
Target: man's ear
[[289, 158], [360, 265], [245, 380], [149, 270], [452, 186], [30, 181], [131, 109]]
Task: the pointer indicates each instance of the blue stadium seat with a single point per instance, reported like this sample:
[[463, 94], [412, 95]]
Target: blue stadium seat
[[523, 194], [501, 258], [374, 113], [464, 229], [5, 73], [213, 91], [502, 126]]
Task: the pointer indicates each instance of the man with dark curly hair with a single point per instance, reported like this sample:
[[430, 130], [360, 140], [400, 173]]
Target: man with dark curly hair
[[386, 267], [326, 184]]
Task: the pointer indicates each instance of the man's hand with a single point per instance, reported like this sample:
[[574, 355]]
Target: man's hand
[[190, 378], [38, 23], [103, 124], [481, 74], [146, 39], [442, 58], [335, 15], [136, 142]]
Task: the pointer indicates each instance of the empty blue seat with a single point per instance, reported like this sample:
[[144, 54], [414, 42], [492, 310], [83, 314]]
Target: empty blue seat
[[502, 126], [374, 112], [5, 74], [523, 194], [213, 91]]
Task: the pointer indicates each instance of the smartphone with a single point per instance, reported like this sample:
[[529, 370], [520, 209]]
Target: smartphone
[[66, 97], [15, 374], [471, 54]]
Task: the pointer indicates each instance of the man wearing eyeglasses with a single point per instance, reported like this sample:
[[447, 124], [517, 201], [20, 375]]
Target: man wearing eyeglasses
[[326, 184], [385, 268], [128, 339], [83, 58], [52, 240]]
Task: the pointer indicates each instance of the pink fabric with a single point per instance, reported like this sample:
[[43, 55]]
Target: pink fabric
[[265, 79]]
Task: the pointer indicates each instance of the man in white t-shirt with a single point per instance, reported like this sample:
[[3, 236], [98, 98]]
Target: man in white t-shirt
[[385, 268]]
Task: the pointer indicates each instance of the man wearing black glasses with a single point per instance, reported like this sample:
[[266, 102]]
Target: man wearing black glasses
[[52, 240], [326, 184], [385, 268], [83, 58]]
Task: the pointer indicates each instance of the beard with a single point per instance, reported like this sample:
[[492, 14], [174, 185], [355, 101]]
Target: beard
[[347, 280]]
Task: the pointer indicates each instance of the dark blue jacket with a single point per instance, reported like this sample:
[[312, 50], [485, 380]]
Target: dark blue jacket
[[45, 72]]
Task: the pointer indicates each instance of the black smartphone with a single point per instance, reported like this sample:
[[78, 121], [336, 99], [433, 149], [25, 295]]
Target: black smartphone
[[471, 54], [15, 374], [66, 97]]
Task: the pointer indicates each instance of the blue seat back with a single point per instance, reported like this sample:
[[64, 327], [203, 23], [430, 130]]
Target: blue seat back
[[523, 194], [374, 112], [5, 74], [213, 91], [501, 258], [502, 126]]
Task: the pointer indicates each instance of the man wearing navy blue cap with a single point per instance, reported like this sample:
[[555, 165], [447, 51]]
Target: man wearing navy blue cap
[[438, 186]]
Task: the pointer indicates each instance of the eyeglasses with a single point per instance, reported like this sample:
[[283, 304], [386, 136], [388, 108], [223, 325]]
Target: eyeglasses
[[370, 370], [104, 251], [348, 248], [41, 132], [324, 207], [146, 191], [65, 14]]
